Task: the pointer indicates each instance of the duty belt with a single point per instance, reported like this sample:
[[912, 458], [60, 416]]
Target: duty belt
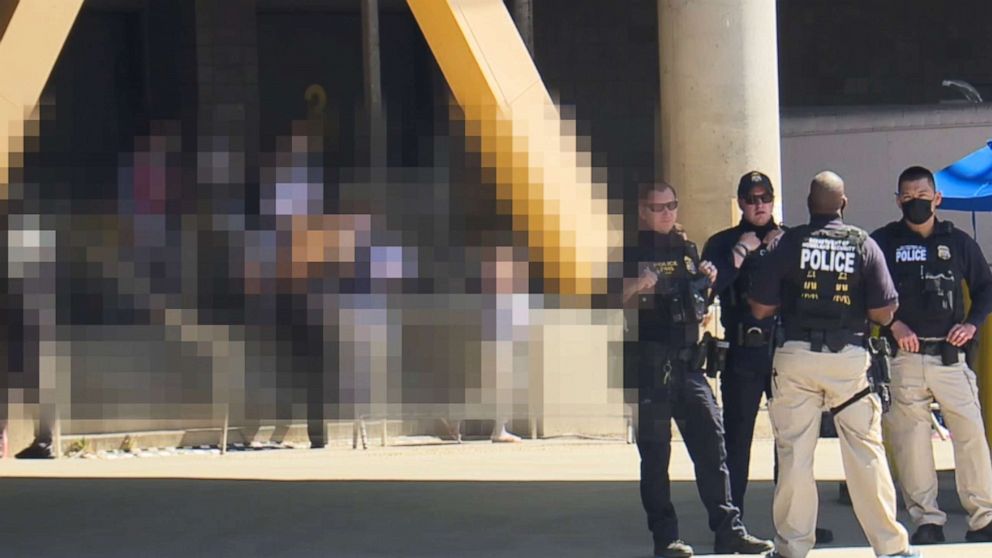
[[818, 338], [949, 354], [931, 347]]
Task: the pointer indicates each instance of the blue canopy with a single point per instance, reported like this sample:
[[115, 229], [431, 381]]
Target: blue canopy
[[967, 184]]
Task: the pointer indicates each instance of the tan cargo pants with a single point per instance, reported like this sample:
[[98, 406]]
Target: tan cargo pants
[[803, 384], [917, 380]]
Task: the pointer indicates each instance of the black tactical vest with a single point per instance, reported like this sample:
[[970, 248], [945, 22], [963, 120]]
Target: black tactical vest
[[925, 274], [678, 303], [824, 287]]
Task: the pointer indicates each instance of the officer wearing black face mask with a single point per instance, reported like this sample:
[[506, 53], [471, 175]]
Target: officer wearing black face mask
[[928, 259]]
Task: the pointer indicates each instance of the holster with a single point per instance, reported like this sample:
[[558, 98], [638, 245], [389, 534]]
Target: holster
[[949, 354], [716, 355], [879, 374], [694, 356], [753, 336]]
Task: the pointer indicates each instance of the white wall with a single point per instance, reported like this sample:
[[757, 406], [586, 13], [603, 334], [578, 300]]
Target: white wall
[[869, 147]]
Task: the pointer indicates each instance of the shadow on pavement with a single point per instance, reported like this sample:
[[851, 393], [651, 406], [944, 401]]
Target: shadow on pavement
[[158, 518]]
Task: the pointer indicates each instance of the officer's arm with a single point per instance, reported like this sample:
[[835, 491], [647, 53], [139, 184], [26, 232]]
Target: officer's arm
[[979, 280], [883, 316], [630, 276], [716, 252], [881, 297], [630, 290]]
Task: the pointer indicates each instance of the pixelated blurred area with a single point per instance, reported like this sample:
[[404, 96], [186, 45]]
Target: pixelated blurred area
[[209, 224]]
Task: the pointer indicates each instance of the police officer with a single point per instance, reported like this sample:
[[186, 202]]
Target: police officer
[[736, 252], [669, 284], [829, 278], [928, 259]]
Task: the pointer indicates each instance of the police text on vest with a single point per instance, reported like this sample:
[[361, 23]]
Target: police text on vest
[[827, 254]]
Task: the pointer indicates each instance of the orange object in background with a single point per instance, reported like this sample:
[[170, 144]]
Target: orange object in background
[[512, 121], [30, 45]]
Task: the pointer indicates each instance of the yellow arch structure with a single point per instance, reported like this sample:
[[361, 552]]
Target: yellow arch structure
[[29, 46], [983, 368], [516, 127]]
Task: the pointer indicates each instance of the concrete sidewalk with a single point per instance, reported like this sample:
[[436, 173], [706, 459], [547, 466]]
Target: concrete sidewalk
[[426, 459], [545, 498]]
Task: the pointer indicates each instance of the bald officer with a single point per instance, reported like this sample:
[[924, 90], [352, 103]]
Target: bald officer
[[829, 278], [929, 258]]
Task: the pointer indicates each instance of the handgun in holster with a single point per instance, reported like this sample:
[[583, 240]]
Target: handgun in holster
[[949, 354], [879, 375]]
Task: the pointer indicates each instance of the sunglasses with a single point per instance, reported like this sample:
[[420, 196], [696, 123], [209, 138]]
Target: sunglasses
[[763, 198], [659, 207]]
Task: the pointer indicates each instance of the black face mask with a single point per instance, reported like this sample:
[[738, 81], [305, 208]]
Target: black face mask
[[917, 211]]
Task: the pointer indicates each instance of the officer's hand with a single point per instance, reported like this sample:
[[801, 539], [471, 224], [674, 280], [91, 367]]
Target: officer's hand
[[772, 237], [647, 281], [905, 337], [961, 334], [750, 241], [708, 269]]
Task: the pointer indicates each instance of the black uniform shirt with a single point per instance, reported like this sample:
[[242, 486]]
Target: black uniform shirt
[[878, 289], [673, 258], [909, 255], [732, 283]]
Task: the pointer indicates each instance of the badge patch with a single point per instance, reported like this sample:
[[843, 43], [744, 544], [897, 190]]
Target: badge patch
[[943, 252], [755, 177], [690, 266]]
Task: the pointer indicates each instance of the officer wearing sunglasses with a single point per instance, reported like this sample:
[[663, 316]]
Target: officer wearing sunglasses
[[669, 285], [736, 253]]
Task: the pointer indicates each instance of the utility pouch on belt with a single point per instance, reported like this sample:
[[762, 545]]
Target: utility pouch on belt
[[837, 339], [716, 355], [816, 341], [753, 336], [698, 356], [948, 354]]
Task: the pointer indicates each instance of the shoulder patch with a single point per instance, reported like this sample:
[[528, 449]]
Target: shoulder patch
[[690, 265]]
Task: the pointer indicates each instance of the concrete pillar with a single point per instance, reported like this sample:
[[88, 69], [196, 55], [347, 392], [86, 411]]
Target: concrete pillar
[[719, 104]]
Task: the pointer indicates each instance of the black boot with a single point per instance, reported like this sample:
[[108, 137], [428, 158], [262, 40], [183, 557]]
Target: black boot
[[980, 535], [928, 533], [40, 448]]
